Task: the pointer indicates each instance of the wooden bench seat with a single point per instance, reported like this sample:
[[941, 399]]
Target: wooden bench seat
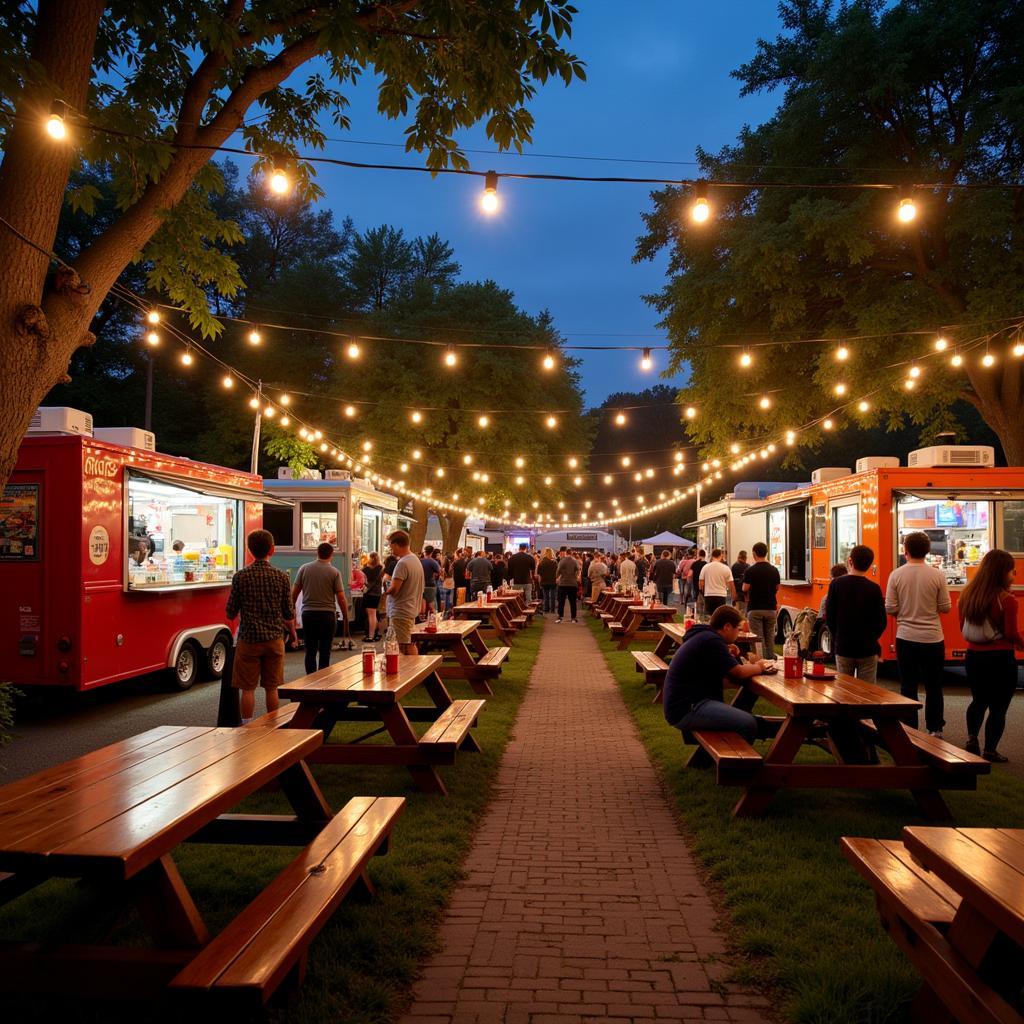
[[916, 910], [735, 759], [520, 622], [450, 732], [248, 961], [276, 719], [492, 661], [947, 757], [654, 669], [616, 628]]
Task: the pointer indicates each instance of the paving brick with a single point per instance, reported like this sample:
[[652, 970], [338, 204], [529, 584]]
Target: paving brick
[[579, 884]]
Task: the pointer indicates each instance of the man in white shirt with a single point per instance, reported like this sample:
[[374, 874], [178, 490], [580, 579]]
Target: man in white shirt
[[597, 574], [627, 572], [716, 583], [916, 595]]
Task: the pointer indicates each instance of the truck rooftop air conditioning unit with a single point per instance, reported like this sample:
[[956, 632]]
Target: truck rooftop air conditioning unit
[[337, 474], [54, 419], [127, 437], [826, 473], [877, 462], [952, 455], [285, 473]]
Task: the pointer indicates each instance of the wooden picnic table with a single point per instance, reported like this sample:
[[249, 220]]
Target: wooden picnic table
[[638, 622], [672, 634], [493, 613], [855, 717], [114, 817], [953, 900], [460, 639], [343, 693]]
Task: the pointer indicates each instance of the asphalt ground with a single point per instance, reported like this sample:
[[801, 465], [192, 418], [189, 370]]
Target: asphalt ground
[[52, 726]]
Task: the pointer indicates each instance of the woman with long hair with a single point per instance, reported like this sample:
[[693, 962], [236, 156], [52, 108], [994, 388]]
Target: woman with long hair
[[373, 571], [547, 572], [988, 619], [447, 586]]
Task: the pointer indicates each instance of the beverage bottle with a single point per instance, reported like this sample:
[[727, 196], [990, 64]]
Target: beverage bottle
[[391, 651], [490, 593], [480, 598], [368, 656], [791, 658], [431, 626]]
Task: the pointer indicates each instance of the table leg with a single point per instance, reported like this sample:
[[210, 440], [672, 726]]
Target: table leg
[[902, 751], [783, 750], [971, 934], [401, 731], [665, 646], [166, 906], [478, 642], [469, 668], [299, 786]]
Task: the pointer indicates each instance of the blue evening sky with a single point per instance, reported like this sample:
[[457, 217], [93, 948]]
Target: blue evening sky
[[658, 86]]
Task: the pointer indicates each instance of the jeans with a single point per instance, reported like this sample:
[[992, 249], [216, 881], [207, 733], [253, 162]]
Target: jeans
[[712, 602], [570, 593], [664, 595], [763, 622], [865, 669], [549, 590], [922, 664], [526, 589], [476, 588], [317, 636], [447, 596], [992, 677], [715, 716]]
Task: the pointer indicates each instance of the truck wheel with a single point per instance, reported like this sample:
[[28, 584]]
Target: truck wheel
[[186, 666], [785, 627], [217, 656], [825, 640]]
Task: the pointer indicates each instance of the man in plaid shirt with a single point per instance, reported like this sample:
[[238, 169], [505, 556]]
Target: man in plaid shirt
[[261, 594]]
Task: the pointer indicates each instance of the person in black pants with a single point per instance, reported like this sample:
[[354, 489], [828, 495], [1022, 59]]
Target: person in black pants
[[320, 585], [568, 579]]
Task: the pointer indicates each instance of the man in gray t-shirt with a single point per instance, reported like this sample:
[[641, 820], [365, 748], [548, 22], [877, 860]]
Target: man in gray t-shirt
[[405, 595], [479, 573], [567, 577], [320, 585]]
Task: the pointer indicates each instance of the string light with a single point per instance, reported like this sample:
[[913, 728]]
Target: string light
[[626, 460], [573, 462], [55, 126], [278, 181], [416, 416], [842, 353], [863, 405], [988, 359], [520, 462], [1018, 349], [269, 412], [483, 422], [620, 419], [914, 371], [416, 454], [254, 337], [285, 399], [350, 411], [551, 422], [228, 381], [910, 384], [827, 424], [284, 421], [549, 360], [956, 359], [153, 317], [678, 456], [547, 481], [906, 211], [353, 351], [645, 360], [840, 389], [700, 211], [489, 199], [941, 344], [152, 338], [450, 357], [254, 403], [607, 478], [186, 357], [746, 359], [790, 437], [765, 402], [691, 412]]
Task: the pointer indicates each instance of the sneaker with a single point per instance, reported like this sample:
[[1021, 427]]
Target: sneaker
[[995, 757], [558, 620], [972, 746], [573, 621], [937, 733]]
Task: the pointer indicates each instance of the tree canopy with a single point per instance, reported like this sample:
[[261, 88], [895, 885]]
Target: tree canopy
[[919, 92]]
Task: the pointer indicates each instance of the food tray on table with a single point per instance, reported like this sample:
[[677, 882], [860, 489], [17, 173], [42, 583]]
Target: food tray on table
[[820, 675]]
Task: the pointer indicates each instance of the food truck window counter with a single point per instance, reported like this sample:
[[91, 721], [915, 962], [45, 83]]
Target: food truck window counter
[[179, 535], [960, 531]]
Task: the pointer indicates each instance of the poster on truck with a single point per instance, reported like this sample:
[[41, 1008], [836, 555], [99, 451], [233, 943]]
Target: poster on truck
[[19, 523]]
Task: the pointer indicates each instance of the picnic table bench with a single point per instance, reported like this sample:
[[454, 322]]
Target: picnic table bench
[[343, 693], [639, 623], [460, 639], [492, 614], [115, 816], [672, 634], [516, 602], [953, 900], [850, 719]]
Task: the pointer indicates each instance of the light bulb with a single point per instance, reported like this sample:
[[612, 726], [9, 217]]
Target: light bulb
[[489, 198], [765, 402], [520, 462], [863, 405], [549, 361], [626, 460], [827, 424], [914, 371], [350, 411], [620, 419], [638, 476], [228, 381], [840, 389], [645, 360], [906, 211], [607, 478], [467, 460], [255, 337], [746, 359], [700, 210], [573, 462], [956, 359], [519, 481], [678, 456], [577, 480], [285, 400], [55, 127], [547, 481], [790, 437], [284, 421], [152, 317], [691, 412], [439, 472], [269, 412], [404, 467], [152, 338], [450, 358], [483, 422], [988, 359], [186, 358], [417, 454], [416, 416], [318, 434], [551, 422], [842, 353], [941, 344], [734, 448], [367, 446], [278, 181], [910, 384], [353, 351], [254, 402], [648, 472], [1018, 349]]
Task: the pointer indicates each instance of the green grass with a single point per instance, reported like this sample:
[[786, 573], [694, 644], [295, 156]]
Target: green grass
[[804, 925], [364, 961]]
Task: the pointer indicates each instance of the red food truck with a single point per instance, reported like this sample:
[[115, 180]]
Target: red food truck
[[954, 494], [115, 561]]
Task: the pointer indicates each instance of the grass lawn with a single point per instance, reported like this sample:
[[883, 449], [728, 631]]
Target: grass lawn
[[364, 961], [803, 922]]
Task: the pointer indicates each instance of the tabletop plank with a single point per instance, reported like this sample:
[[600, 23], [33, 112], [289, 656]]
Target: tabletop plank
[[826, 699], [347, 681], [449, 627], [148, 830]]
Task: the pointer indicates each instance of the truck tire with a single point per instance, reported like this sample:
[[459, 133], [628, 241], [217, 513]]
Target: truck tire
[[825, 643], [217, 656], [784, 628], [186, 666]]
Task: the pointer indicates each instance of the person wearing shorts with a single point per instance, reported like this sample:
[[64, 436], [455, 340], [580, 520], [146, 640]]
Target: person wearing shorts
[[261, 595], [406, 591], [431, 571]]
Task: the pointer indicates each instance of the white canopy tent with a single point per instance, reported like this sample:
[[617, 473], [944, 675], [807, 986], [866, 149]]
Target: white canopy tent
[[667, 540], [582, 540]]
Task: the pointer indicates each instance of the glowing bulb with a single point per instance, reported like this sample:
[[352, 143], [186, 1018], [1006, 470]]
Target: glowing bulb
[[638, 476], [734, 448], [914, 371], [467, 460], [607, 478], [746, 359], [910, 384], [278, 182], [318, 434], [827, 424], [255, 337], [626, 460], [284, 421], [519, 481], [186, 358], [678, 456], [254, 402], [700, 211], [842, 353], [648, 472], [941, 344], [353, 351], [450, 358], [350, 411], [404, 467], [840, 389], [691, 412], [549, 361], [489, 199], [765, 402], [906, 211], [152, 338], [577, 480], [285, 400], [956, 360], [573, 462], [1018, 349], [439, 472], [863, 405], [988, 359], [55, 127], [152, 317], [416, 454], [551, 422], [483, 422], [645, 360], [228, 381], [620, 419], [367, 446], [416, 416], [520, 462], [790, 437], [269, 412], [547, 481]]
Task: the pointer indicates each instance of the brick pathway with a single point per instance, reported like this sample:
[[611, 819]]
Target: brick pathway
[[582, 902]]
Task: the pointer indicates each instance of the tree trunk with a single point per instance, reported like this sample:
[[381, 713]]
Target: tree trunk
[[996, 393], [418, 530], [451, 530]]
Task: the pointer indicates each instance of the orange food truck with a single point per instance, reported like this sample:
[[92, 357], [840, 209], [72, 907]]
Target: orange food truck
[[952, 493], [115, 560]]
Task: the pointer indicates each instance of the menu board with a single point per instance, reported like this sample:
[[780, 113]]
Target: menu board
[[777, 540], [820, 527], [19, 523]]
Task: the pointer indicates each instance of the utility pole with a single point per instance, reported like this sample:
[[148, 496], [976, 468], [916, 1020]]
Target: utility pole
[[148, 418], [254, 462]]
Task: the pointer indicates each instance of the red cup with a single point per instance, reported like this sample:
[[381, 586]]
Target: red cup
[[791, 668], [391, 664], [368, 663], [818, 668]]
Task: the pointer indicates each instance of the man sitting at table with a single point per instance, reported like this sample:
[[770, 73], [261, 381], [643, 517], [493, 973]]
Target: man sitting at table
[[693, 691]]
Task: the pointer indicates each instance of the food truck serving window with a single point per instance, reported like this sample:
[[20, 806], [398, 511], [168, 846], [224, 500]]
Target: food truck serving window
[[845, 531], [178, 535], [960, 530], [787, 541], [319, 523], [280, 521]]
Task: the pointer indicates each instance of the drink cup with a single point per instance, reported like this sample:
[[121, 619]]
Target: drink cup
[[368, 662], [391, 664]]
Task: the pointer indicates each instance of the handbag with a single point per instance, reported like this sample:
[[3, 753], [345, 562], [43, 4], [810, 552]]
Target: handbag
[[981, 632]]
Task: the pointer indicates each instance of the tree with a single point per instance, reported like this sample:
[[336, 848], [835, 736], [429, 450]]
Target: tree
[[379, 267], [155, 89], [911, 92], [435, 261]]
